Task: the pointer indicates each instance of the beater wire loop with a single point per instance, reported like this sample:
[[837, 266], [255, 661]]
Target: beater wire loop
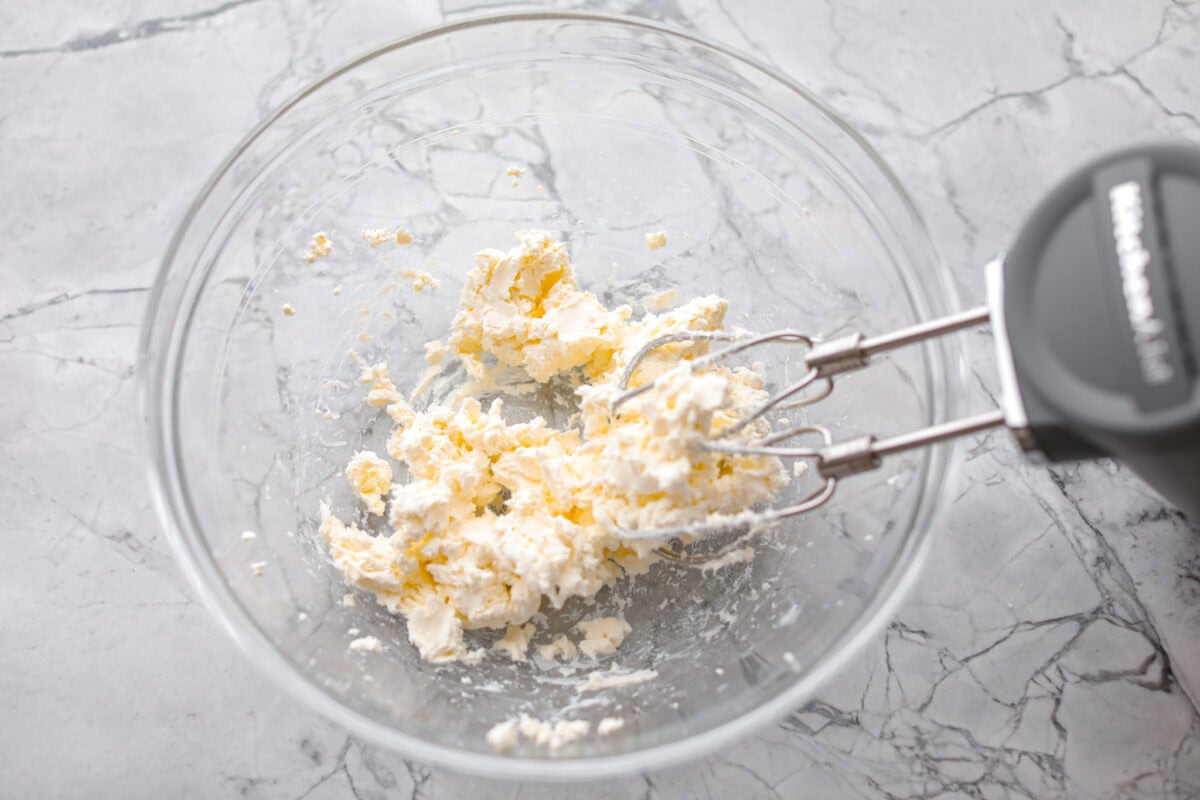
[[832, 460]]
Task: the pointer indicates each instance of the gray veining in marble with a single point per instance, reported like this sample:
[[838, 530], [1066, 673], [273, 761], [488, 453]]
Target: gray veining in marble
[[1051, 648]]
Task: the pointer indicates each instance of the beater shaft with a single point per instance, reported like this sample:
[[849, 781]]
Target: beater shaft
[[866, 452], [833, 460], [852, 352]]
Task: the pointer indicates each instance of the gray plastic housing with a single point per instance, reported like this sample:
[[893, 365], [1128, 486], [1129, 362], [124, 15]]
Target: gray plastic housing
[[1101, 298]]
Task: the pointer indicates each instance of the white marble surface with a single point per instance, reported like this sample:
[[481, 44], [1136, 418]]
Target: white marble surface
[[1051, 649]]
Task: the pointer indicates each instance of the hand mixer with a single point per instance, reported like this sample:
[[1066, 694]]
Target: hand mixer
[[1096, 314]]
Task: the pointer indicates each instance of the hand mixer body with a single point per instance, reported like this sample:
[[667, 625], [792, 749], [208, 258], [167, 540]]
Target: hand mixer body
[[1097, 309]]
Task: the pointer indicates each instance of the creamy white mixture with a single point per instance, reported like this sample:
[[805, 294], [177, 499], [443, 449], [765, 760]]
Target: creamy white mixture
[[377, 236], [656, 239], [602, 636], [318, 247], [504, 736], [615, 678], [494, 518]]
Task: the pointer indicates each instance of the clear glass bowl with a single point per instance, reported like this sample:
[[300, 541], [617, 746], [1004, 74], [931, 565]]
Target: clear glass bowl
[[768, 199]]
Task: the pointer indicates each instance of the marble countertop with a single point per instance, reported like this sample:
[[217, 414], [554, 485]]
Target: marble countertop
[[1051, 648]]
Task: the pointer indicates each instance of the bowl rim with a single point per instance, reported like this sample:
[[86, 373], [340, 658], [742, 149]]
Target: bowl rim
[[170, 497]]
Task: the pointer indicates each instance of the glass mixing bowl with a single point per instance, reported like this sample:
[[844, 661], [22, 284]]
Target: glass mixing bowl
[[624, 127]]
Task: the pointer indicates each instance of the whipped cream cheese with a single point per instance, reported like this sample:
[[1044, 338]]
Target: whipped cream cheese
[[420, 279], [610, 725], [366, 644], [616, 678], [515, 641], [560, 648], [602, 636], [378, 236], [504, 736], [495, 518], [371, 479], [318, 247]]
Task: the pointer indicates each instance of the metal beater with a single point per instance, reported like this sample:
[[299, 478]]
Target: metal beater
[[1096, 314]]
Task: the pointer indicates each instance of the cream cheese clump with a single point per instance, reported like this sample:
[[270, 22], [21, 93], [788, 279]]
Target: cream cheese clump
[[553, 735], [371, 478], [515, 641], [602, 636], [560, 648], [524, 309], [498, 517], [318, 247]]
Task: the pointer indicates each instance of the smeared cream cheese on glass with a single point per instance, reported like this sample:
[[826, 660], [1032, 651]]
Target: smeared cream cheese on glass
[[497, 517]]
